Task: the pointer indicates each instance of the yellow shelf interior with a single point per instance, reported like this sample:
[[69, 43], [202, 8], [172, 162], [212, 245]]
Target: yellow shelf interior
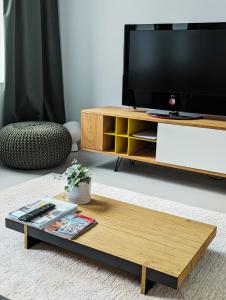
[[109, 143], [122, 126], [121, 145], [118, 138]]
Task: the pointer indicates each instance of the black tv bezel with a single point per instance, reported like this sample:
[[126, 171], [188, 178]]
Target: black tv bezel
[[160, 26]]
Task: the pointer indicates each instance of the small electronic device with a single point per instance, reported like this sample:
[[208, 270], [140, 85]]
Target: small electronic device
[[37, 212]]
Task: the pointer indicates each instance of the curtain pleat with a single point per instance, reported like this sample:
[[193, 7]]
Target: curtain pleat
[[33, 78]]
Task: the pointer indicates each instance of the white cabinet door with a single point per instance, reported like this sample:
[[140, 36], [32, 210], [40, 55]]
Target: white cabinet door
[[193, 147]]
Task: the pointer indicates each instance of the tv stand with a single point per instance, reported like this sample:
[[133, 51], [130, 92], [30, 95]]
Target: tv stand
[[197, 145], [176, 115]]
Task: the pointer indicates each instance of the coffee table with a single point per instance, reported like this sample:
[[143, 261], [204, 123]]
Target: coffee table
[[156, 246]]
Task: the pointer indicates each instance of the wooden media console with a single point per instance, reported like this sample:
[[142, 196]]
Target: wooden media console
[[193, 145]]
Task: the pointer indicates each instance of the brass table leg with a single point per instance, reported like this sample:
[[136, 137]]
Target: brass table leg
[[146, 285], [28, 240]]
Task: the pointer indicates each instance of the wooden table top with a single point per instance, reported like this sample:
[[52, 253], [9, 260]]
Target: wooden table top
[[150, 238]]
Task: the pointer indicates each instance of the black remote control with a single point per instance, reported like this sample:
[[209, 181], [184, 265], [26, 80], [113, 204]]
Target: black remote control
[[37, 212]]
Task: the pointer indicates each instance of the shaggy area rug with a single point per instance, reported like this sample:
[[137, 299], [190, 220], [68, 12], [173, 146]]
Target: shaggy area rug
[[48, 273]]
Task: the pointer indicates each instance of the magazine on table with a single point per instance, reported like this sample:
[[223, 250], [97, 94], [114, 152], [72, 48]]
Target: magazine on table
[[70, 226], [61, 209]]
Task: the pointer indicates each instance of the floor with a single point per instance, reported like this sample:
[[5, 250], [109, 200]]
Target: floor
[[176, 185]]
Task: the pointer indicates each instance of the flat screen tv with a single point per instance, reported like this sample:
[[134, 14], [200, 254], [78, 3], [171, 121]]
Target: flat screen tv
[[177, 70]]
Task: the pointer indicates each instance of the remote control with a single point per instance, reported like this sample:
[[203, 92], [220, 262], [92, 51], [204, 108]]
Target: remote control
[[37, 212]]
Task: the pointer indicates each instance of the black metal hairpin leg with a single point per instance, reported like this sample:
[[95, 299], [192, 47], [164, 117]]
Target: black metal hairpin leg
[[118, 162], [132, 162]]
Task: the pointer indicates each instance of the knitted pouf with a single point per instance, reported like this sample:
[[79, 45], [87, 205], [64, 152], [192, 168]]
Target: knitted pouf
[[34, 145]]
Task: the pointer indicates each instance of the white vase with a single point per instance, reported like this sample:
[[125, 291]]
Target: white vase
[[81, 194]]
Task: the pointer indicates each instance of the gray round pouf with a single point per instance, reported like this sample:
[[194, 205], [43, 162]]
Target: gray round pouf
[[34, 145]]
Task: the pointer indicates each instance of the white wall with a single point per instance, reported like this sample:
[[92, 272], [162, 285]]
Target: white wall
[[92, 42]]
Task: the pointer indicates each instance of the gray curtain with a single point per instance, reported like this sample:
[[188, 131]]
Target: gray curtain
[[33, 79]]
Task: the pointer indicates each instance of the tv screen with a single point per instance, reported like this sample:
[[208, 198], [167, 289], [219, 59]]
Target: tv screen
[[183, 61]]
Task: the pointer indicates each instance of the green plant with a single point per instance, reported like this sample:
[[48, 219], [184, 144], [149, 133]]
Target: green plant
[[76, 174]]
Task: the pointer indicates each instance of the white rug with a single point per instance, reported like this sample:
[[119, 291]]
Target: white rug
[[45, 272]]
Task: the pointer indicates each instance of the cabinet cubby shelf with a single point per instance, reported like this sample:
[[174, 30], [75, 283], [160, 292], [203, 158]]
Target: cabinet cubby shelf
[[118, 138], [110, 133], [131, 137], [142, 139]]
